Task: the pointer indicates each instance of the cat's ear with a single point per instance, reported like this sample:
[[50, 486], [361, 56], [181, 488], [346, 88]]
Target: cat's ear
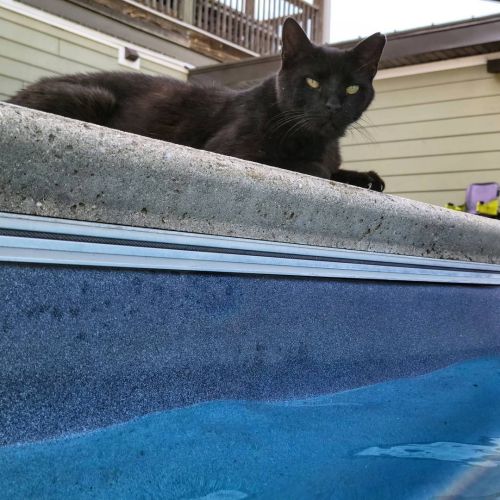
[[294, 41], [368, 52]]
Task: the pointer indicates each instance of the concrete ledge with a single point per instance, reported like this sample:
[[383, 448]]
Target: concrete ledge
[[52, 166]]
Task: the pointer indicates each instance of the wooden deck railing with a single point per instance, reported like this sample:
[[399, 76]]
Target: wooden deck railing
[[253, 24]]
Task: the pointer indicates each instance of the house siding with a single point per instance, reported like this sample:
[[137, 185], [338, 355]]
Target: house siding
[[430, 135], [31, 49]]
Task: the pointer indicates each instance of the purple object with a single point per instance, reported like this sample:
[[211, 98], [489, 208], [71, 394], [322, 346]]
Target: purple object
[[484, 192]]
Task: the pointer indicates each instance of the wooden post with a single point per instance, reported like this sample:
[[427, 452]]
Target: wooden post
[[250, 7], [323, 21], [188, 11]]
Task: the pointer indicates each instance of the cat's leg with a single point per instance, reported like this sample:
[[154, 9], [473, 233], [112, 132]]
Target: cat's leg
[[369, 180], [90, 103]]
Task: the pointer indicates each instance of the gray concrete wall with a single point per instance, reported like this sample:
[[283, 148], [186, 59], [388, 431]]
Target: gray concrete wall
[[52, 166]]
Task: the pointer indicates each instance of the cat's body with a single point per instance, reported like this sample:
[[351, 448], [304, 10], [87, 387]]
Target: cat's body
[[281, 122]]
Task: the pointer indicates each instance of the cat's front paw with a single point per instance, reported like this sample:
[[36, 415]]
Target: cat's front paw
[[374, 181]]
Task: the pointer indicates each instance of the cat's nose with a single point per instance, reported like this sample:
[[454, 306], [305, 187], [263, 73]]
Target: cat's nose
[[333, 106]]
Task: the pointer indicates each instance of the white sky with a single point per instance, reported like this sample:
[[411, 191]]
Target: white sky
[[354, 18]]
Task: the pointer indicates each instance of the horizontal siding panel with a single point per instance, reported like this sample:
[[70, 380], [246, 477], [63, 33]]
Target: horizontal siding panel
[[3, 97], [22, 71], [157, 69], [27, 36], [431, 164], [423, 147], [9, 86], [55, 32], [434, 111], [84, 55], [77, 48], [422, 130], [83, 42], [430, 78], [447, 92], [41, 59], [438, 182], [440, 198]]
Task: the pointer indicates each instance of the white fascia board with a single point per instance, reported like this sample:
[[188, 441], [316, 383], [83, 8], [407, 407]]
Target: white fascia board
[[431, 67]]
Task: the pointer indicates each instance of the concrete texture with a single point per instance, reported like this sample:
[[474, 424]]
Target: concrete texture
[[84, 348], [63, 168]]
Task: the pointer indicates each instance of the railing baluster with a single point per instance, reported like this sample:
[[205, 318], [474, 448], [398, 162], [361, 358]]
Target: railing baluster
[[225, 21], [246, 30], [219, 17], [271, 25], [239, 22], [280, 20], [262, 26], [199, 13], [303, 16], [215, 11], [210, 16], [253, 24], [212, 21], [230, 14], [249, 15], [258, 22], [272, 15], [308, 20], [317, 24], [215, 8], [267, 26], [205, 15]]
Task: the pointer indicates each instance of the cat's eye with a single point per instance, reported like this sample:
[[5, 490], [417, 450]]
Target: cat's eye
[[314, 84], [352, 89]]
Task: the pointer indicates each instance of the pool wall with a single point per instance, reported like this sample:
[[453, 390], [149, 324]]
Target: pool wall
[[84, 348]]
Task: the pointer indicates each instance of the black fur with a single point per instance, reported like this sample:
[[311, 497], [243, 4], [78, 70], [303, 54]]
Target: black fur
[[281, 122]]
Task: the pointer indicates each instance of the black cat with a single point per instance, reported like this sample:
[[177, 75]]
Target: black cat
[[292, 120]]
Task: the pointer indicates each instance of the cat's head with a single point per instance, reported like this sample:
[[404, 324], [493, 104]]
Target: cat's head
[[325, 87]]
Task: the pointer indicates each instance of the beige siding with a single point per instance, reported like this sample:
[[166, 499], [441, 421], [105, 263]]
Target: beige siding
[[31, 49], [431, 135]]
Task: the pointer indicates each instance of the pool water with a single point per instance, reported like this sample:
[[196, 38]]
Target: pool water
[[432, 436]]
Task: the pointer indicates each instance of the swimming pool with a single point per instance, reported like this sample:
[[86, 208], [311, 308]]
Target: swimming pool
[[293, 338], [140, 383], [432, 436]]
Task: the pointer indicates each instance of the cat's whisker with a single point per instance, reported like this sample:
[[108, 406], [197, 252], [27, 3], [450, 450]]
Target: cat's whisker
[[357, 127], [354, 131], [291, 117], [303, 122], [291, 131], [367, 120], [283, 121]]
